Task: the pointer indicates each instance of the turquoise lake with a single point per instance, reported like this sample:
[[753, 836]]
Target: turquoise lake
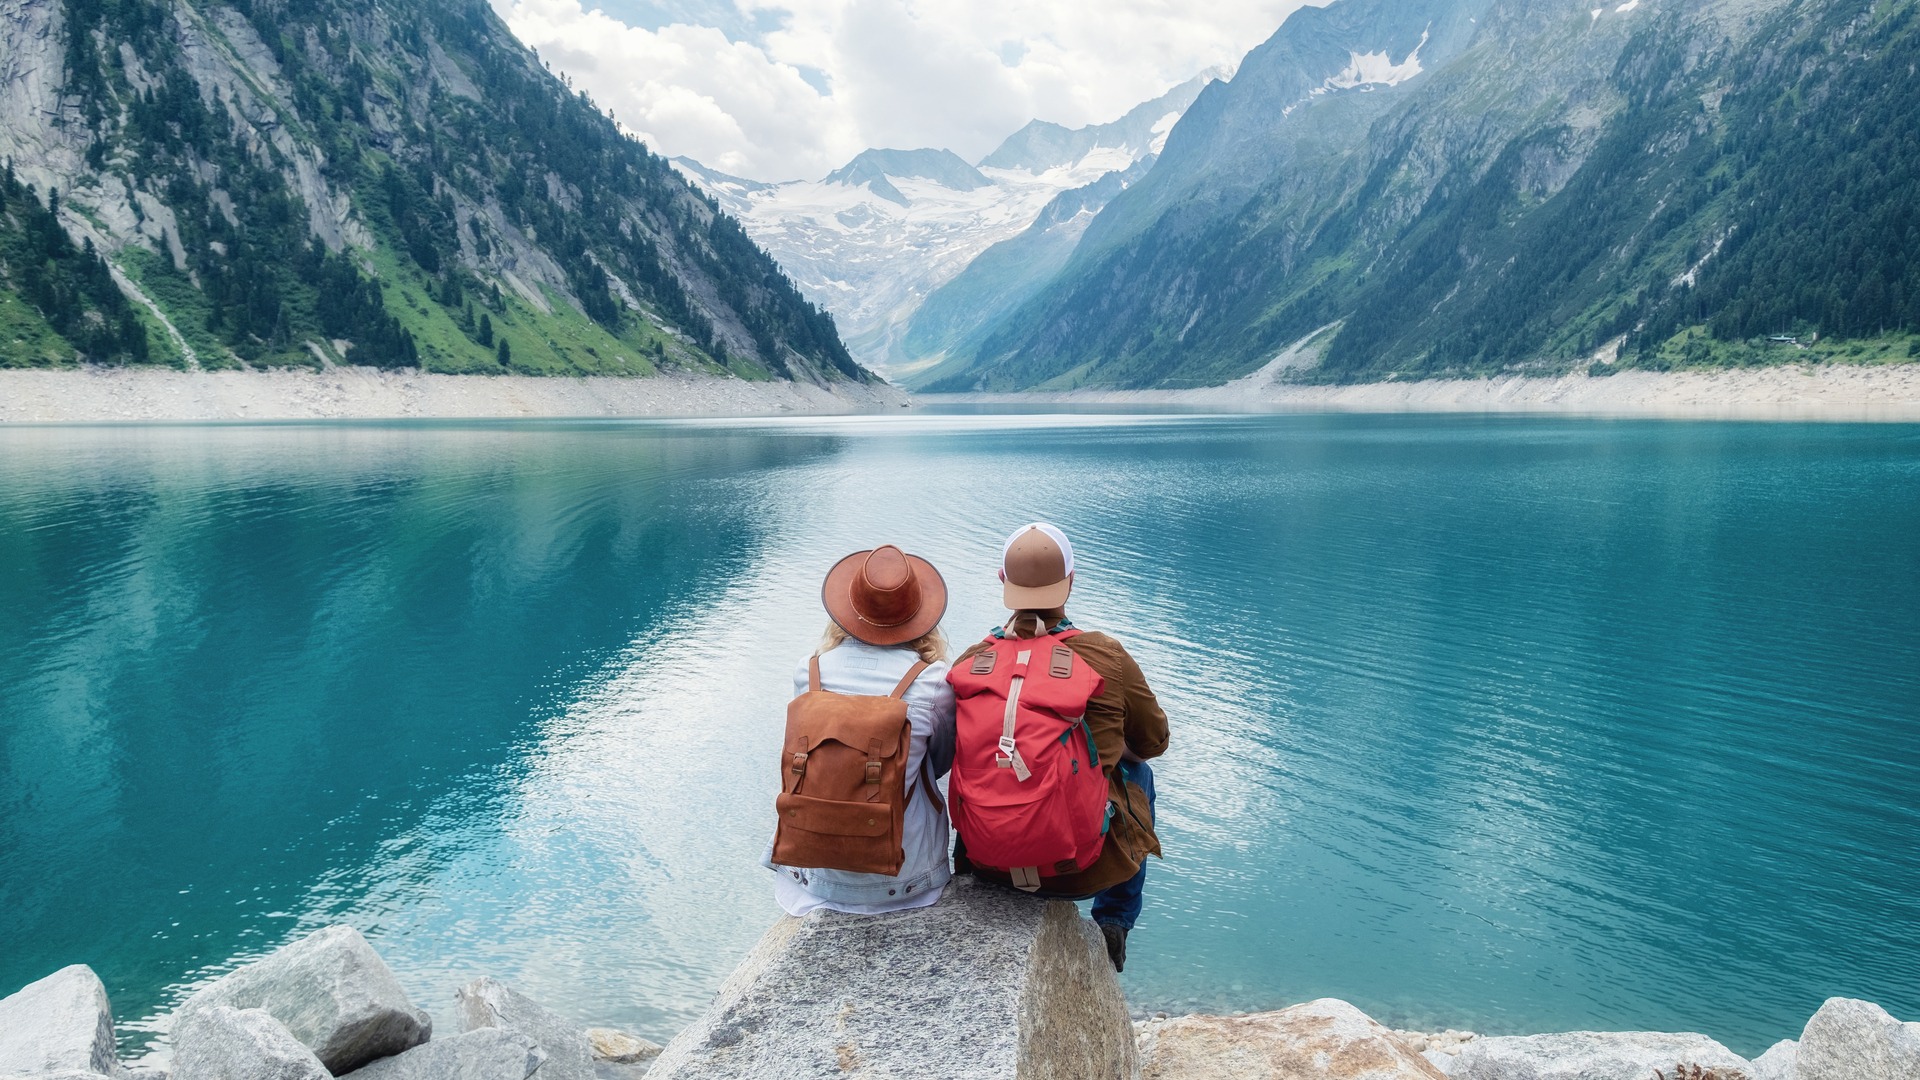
[[1515, 724]]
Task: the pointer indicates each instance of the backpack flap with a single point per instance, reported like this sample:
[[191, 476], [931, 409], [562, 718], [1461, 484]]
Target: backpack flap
[[858, 722]]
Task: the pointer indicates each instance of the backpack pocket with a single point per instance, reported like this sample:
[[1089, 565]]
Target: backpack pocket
[[842, 835]]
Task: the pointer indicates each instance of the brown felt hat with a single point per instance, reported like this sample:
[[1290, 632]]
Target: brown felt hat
[[884, 596]]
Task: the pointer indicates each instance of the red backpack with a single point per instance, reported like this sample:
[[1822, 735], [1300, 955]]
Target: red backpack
[[1027, 793]]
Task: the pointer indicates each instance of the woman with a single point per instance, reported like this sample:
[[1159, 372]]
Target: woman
[[884, 640]]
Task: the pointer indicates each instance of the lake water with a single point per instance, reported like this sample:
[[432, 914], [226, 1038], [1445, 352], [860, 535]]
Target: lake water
[[1509, 723]]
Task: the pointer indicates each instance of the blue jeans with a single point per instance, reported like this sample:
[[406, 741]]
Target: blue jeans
[[1120, 905]]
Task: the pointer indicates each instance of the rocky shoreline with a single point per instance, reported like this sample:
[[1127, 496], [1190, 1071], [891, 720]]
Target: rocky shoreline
[[101, 394], [827, 996]]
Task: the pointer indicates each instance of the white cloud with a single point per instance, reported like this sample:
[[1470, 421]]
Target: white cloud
[[962, 74]]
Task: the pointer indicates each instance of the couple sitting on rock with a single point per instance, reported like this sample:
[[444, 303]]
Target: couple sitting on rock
[[1045, 730]]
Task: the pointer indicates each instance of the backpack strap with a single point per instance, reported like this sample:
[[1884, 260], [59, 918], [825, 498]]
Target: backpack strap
[[933, 789], [898, 691], [813, 672]]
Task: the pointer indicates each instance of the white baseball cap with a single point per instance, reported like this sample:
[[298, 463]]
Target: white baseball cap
[[1036, 568]]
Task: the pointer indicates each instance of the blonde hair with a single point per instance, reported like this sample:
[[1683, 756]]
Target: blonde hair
[[932, 645]]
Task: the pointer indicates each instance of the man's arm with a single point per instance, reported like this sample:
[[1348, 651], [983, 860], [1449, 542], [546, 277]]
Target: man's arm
[[1146, 722]]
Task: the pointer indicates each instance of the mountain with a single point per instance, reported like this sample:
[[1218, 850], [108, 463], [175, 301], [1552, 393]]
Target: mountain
[[874, 169], [1041, 145], [395, 183], [872, 239], [997, 281], [1463, 187]]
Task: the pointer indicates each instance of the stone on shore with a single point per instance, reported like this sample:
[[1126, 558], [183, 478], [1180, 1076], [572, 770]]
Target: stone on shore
[[1857, 1040], [987, 983], [221, 1043], [620, 1048], [485, 1054], [333, 992], [60, 1023], [1589, 1055], [1780, 1062], [57, 1074], [489, 1003], [1325, 1038]]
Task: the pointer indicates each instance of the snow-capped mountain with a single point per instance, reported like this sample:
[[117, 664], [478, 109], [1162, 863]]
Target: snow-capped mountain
[[872, 239]]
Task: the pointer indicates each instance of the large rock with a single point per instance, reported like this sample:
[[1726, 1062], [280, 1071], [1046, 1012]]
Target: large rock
[[486, 1054], [333, 992], [222, 1043], [1325, 1038], [987, 983], [1780, 1062], [1589, 1055], [1856, 1040], [62, 1022], [490, 1003]]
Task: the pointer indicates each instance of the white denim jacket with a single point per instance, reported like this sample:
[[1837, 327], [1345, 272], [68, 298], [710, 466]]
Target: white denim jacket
[[858, 668]]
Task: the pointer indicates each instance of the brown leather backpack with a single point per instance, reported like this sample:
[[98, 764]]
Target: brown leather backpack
[[844, 779]]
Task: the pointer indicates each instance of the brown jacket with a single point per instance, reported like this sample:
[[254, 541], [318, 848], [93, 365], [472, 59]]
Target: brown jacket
[[1124, 718]]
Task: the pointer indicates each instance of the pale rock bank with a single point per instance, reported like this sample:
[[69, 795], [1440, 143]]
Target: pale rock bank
[[96, 394], [1844, 392]]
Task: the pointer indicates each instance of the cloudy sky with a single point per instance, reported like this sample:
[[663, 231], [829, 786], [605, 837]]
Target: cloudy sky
[[786, 89]]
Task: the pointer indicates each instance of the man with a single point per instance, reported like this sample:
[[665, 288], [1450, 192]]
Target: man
[[1126, 722]]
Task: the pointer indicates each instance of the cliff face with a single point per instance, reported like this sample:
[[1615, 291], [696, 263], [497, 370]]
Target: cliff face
[[394, 183]]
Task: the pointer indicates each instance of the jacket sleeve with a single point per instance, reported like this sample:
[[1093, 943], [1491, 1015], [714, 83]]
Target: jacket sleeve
[[1146, 722]]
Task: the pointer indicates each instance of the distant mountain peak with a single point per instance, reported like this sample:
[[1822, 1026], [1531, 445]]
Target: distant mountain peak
[[875, 169], [1043, 145]]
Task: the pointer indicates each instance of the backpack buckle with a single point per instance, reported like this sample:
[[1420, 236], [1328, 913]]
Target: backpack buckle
[[799, 764], [873, 772]]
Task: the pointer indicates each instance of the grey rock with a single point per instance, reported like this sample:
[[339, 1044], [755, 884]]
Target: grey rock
[[1780, 1062], [1324, 1038], [333, 992], [1850, 1039], [1589, 1055], [57, 1074], [1441, 1062], [62, 1022], [490, 1003], [486, 1054], [986, 983], [614, 1070], [140, 1072], [221, 1043]]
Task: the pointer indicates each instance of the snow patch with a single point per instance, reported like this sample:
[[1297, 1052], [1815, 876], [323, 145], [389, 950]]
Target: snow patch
[[1628, 6], [1596, 13], [1162, 128], [1368, 70]]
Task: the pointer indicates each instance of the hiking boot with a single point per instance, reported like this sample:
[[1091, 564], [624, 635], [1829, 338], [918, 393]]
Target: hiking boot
[[1116, 936]]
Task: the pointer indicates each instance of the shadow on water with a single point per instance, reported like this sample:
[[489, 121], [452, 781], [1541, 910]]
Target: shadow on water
[[1507, 723]]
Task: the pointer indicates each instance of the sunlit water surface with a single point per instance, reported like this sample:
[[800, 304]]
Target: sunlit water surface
[[1511, 724]]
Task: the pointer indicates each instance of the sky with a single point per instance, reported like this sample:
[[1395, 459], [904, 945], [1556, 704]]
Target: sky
[[792, 89]]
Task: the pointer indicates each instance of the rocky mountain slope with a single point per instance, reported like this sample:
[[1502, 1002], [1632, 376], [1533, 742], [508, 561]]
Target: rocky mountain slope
[[872, 239], [397, 183], [1460, 187]]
